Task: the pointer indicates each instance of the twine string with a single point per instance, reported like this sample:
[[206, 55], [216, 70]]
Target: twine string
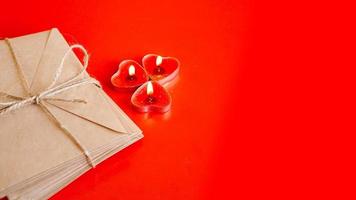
[[47, 95]]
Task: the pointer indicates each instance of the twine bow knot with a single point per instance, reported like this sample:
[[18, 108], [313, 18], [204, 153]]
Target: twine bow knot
[[50, 91]]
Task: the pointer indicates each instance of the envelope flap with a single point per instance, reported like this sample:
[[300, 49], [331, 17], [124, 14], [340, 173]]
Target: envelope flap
[[96, 109], [89, 134], [28, 51], [53, 53], [10, 80]]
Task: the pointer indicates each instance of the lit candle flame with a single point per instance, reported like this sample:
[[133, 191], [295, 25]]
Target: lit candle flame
[[149, 88], [131, 70], [158, 60]]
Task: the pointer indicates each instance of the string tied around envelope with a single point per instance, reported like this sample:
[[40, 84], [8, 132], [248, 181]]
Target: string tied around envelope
[[50, 92]]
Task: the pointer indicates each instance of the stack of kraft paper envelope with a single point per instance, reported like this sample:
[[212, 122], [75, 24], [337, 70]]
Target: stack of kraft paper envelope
[[37, 156]]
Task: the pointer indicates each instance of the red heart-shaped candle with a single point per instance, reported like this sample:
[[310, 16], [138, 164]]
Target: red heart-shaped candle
[[151, 97], [130, 75], [160, 69]]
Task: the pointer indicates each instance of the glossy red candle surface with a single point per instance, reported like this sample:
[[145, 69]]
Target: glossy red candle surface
[[123, 80], [162, 73], [158, 101]]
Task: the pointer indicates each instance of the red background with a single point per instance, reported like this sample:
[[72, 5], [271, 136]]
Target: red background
[[264, 106]]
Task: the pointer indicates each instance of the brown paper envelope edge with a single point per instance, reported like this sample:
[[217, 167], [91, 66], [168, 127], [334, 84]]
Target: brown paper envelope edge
[[137, 135], [100, 157], [33, 180], [79, 170], [84, 169]]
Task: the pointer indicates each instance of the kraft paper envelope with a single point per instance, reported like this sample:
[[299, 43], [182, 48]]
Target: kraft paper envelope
[[30, 143]]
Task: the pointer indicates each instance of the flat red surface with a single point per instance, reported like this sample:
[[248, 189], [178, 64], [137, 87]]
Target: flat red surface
[[264, 106]]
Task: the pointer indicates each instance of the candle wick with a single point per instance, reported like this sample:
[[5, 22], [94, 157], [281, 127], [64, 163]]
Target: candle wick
[[131, 78], [159, 70], [150, 99]]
